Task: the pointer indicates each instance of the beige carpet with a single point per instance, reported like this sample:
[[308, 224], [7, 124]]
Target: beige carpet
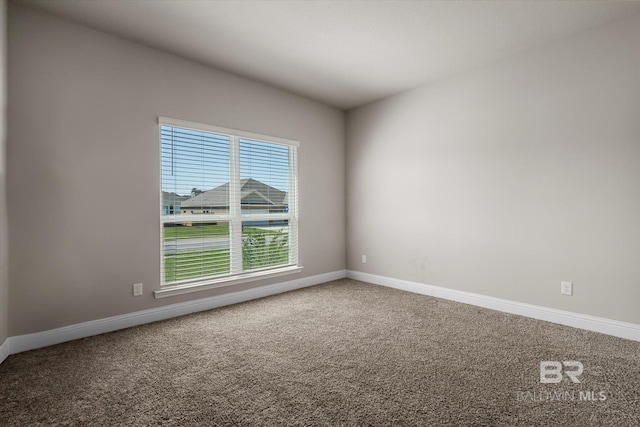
[[342, 353]]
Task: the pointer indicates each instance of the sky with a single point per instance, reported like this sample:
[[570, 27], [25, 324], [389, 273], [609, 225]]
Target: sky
[[195, 159]]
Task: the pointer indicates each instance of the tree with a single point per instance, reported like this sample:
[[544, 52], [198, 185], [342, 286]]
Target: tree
[[195, 191]]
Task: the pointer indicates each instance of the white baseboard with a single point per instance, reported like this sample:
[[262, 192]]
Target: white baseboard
[[22, 343], [4, 350], [616, 328], [27, 342]]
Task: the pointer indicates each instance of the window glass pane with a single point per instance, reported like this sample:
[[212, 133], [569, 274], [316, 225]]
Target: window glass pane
[[206, 191], [265, 244], [195, 250], [264, 177], [195, 172]]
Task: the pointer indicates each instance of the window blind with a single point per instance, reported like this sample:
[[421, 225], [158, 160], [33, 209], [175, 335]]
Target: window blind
[[229, 202]]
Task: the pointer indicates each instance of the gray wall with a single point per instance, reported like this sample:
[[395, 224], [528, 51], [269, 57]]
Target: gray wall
[[4, 284], [507, 180], [515, 177], [83, 167]]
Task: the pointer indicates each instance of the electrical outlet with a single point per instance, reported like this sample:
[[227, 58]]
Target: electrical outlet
[[137, 289], [566, 288], [364, 259]]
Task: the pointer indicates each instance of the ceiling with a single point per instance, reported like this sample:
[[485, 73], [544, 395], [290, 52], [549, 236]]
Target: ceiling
[[342, 53]]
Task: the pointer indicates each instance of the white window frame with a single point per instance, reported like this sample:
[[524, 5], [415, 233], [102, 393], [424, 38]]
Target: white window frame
[[235, 216]]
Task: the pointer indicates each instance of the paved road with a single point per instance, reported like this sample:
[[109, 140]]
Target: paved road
[[188, 245], [199, 244]]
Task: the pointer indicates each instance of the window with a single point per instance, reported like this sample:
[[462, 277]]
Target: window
[[229, 204]]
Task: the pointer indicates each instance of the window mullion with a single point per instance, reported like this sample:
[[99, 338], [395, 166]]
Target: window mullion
[[214, 235], [293, 205], [235, 226]]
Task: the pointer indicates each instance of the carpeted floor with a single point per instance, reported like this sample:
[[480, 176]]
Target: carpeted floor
[[341, 353]]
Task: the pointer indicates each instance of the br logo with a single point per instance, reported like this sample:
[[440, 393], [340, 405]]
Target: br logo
[[551, 371]]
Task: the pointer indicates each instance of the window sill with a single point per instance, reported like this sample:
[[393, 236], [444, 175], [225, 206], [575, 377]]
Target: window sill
[[169, 291]]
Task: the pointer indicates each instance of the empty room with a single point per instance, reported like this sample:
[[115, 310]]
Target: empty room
[[332, 213]]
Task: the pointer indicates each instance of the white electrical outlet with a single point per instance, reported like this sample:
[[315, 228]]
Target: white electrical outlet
[[566, 288], [137, 289], [364, 259]]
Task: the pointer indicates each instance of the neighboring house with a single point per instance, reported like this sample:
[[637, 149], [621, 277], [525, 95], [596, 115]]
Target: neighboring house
[[256, 196], [171, 203]]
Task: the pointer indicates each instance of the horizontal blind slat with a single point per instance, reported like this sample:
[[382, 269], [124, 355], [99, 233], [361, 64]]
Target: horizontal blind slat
[[194, 161]]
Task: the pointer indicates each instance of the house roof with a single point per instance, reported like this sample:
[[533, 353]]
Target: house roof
[[172, 198], [252, 192]]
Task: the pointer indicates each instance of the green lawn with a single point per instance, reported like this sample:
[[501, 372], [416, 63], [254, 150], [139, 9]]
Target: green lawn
[[190, 265], [190, 232], [260, 248]]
